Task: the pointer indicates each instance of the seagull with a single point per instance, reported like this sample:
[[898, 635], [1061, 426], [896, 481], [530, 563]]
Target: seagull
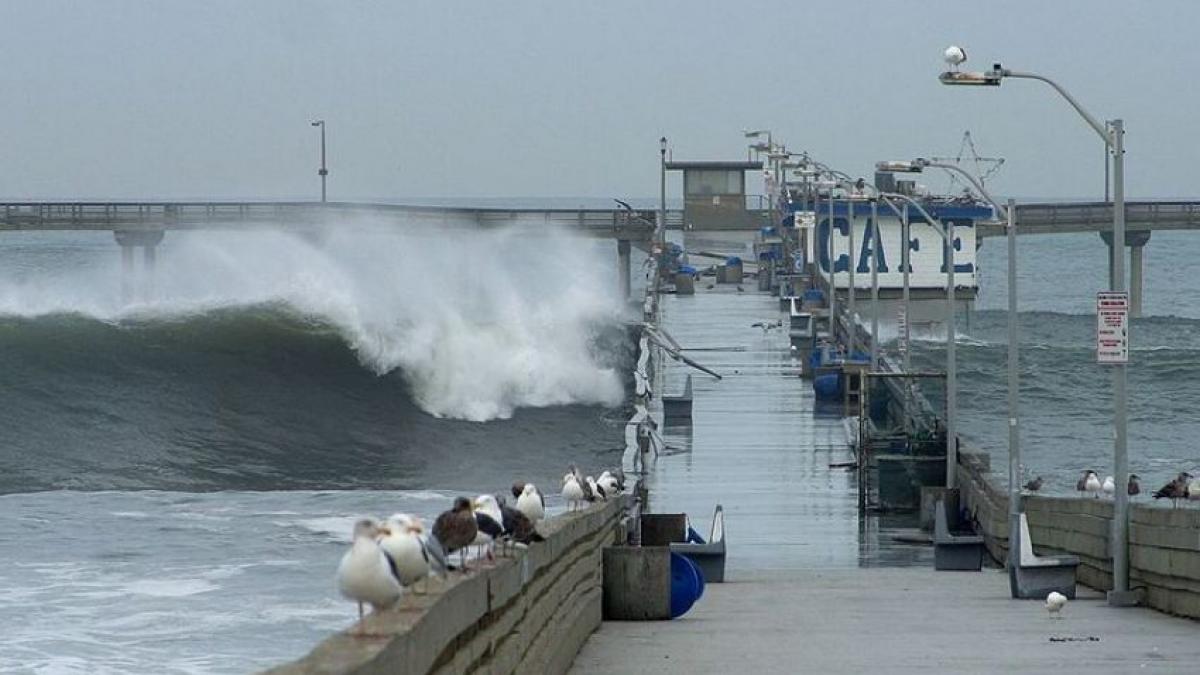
[[1089, 482], [1192, 491], [740, 289], [609, 483], [767, 326], [455, 529], [518, 526], [1133, 489], [1034, 485], [1054, 604], [403, 544], [572, 491], [366, 574], [1175, 490], [488, 521], [1109, 487], [531, 502], [594, 490], [954, 55]]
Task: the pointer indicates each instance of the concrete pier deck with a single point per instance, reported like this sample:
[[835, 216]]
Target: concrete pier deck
[[892, 620], [811, 586]]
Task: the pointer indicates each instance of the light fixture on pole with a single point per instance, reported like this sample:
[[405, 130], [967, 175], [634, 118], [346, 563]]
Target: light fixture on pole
[[322, 172], [1113, 135]]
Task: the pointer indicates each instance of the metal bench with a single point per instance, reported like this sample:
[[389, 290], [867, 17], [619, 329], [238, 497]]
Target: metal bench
[[709, 556], [954, 551], [1035, 576]]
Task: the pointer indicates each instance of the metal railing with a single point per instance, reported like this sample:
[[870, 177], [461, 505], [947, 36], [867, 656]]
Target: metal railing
[[1066, 217], [234, 215]]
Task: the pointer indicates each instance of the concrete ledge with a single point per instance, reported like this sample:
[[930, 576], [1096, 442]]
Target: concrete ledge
[[1164, 551], [531, 611]]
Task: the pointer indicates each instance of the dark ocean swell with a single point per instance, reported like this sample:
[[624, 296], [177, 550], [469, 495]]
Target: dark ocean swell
[[254, 398]]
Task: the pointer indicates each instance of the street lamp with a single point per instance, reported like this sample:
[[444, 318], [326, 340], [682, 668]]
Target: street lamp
[[1113, 135], [322, 172], [758, 133]]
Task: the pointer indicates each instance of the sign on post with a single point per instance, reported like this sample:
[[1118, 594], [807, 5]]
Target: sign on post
[[1112, 327]]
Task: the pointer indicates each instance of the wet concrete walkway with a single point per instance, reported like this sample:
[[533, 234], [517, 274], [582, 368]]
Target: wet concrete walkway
[[893, 620], [811, 587]]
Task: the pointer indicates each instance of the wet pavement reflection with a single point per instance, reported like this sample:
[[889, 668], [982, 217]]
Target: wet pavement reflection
[[756, 444]]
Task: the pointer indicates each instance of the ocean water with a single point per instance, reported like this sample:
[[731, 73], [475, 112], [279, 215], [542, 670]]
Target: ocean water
[[180, 476], [1066, 401]]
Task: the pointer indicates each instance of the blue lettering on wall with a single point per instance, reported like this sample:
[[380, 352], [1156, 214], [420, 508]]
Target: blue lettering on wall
[[842, 264], [864, 257], [965, 268]]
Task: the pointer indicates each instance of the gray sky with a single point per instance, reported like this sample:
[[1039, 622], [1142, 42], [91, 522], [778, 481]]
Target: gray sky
[[554, 99]]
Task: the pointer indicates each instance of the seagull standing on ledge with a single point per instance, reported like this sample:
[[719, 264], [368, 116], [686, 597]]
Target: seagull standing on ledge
[[1133, 489], [531, 503], [1089, 482], [1034, 485], [1109, 486], [404, 546], [365, 573]]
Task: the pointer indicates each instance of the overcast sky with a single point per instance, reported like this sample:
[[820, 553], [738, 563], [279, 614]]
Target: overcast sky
[[555, 99]]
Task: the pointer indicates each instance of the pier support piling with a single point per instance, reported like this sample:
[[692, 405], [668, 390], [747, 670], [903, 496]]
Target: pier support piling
[[624, 267], [1136, 241], [126, 274], [149, 265], [128, 240]]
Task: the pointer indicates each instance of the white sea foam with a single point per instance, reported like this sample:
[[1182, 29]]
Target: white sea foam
[[479, 322]]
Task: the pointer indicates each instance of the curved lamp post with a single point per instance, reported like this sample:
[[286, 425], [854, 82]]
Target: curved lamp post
[[1113, 135]]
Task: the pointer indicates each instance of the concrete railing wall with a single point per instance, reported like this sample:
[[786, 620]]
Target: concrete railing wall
[[531, 612], [1164, 550]]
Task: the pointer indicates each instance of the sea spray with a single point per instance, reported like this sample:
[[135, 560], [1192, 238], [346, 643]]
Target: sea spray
[[478, 322]]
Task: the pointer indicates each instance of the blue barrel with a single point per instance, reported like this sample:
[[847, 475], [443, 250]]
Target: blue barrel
[[687, 585], [828, 387]]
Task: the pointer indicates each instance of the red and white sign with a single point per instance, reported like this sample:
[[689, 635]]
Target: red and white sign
[[1112, 327]]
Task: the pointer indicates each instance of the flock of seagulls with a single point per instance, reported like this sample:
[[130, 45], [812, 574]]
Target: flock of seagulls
[[578, 489], [398, 553], [1182, 486]]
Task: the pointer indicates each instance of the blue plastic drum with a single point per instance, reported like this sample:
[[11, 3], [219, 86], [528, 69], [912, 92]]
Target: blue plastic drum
[[687, 585]]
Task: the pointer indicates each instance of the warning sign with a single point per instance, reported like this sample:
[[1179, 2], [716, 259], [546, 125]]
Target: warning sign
[[1112, 327]]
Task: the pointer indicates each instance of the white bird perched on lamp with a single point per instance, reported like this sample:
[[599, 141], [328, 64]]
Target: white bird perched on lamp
[[954, 55], [1109, 486], [1054, 604]]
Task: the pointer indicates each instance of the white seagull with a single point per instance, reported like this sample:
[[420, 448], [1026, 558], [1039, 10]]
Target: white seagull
[[531, 503], [404, 545], [572, 491], [365, 573], [1092, 484], [1054, 604], [489, 521], [954, 55], [609, 484], [1109, 487]]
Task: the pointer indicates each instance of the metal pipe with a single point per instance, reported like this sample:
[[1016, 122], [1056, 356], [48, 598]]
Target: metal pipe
[[1120, 534], [852, 257], [1014, 439], [832, 276], [874, 284]]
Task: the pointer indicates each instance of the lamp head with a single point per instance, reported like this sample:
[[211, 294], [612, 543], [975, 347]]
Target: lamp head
[[915, 166]]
